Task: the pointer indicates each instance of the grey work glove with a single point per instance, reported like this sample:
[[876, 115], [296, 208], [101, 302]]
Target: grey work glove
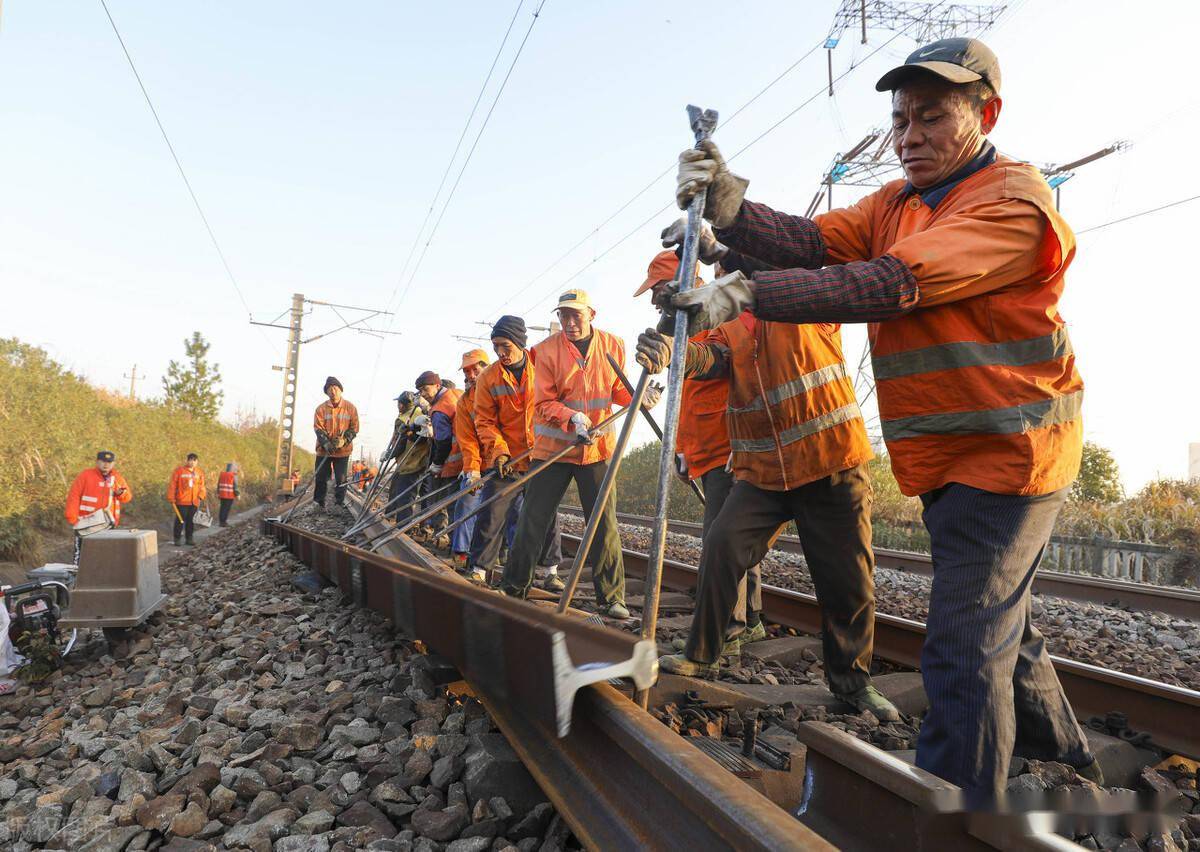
[[434, 469], [652, 395], [704, 168], [653, 350], [711, 250], [712, 304], [583, 427]]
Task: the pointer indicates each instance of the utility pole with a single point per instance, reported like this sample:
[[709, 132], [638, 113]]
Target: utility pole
[[133, 377], [285, 442]]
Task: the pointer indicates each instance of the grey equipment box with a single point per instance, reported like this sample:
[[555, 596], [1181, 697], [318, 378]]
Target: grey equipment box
[[118, 583]]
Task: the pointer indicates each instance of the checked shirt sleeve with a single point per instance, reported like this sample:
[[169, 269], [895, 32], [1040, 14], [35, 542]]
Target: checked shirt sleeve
[[776, 239], [862, 291]]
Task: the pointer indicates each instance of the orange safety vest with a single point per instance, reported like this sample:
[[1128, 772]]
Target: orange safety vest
[[226, 483], [978, 384], [333, 421], [792, 415], [566, 383], [702, 437], [92, 491], [186, 487], [464, 451], [447, 404], [504, 413]]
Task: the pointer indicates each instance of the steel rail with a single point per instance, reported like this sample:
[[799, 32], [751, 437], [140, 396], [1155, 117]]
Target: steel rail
[[1143, 597], [618, 776], [1167, 712]]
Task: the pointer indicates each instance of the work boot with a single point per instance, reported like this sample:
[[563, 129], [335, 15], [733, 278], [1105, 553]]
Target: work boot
[[871, 699], [459, 561], [757, 633], [189, 543], [478, 575], [552, 583], [224, 524], [177, 543], [616, 609], [679, 664], [1092, 772], [442, 542]]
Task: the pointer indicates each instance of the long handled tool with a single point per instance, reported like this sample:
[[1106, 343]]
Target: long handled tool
[[604, 493], [304, 490], [410, 504], [702, 122], [696, 489]]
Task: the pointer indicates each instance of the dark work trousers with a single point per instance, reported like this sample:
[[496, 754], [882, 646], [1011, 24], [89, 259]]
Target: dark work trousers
[[223, 513], [717, 483], [833, 516], [985, 668], [331, 466], [187, 527], [543, 494], [401, 483], [492, 522]]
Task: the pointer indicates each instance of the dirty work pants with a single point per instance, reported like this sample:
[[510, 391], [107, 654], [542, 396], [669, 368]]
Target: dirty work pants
[[327, 466], [223, 513], [401, 483], [500, 519], [717, 483], [460, 536], [985, 667], [542, 496], [187, 527], [833, 516]]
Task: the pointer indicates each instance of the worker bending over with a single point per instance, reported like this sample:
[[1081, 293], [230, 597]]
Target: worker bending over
[[98, 489], [959, 267], [410, 440], [358, 471], [227, 491], [701, 452], [336, 425], [574, 389], [185, 493], [442, 397], [464, 461], [504, 397]]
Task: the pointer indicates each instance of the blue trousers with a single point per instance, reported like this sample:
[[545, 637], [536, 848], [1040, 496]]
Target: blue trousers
[[460, 537], [992, 688]]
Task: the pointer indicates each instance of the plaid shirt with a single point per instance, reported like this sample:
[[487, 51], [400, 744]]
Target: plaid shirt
[[784, 254]]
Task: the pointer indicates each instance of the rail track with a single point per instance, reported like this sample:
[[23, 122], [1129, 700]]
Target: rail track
[[623, 780], [1171, 600]]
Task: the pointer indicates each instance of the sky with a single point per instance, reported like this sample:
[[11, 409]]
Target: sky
[[315, 137]]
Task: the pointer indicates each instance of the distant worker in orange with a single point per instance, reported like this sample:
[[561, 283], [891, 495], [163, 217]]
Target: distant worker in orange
[[357, 470], [575, 388], [464, 461], [504, 422], [294, 479], [97, 489], [227, 491], [336, 425], [185, 493]]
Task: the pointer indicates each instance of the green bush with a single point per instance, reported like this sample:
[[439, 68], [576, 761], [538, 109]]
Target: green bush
[[53, 422]]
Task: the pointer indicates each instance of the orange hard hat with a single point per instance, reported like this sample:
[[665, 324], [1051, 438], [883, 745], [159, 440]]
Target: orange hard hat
[[475, 356], [663, 268]]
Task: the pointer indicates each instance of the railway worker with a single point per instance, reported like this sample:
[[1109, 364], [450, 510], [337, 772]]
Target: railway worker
[[336, 425], [959, 267], [227, 491], [504, 395], [357, 470], [574, 389], [185, 493], [798, 452], [411, 444], [100, 488], [701, 451], [464, 460], [442, 401]]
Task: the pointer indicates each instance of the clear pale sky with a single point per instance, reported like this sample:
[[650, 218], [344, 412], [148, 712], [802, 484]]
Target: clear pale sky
[[315, 135]]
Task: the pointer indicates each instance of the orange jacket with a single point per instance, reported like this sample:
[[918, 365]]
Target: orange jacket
[[447, 404], [464, 450], [566, 383], [702, 437], [978, 384], [186, 487], [92, 491], [227, 485], [333, 421], [504, 413], [792, 415]]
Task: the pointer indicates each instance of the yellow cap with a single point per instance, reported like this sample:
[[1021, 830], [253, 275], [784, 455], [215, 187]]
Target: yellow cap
[[475, 356], [576, 299]]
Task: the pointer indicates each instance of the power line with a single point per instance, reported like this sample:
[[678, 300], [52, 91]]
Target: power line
[[1138, 215], [187, 183]]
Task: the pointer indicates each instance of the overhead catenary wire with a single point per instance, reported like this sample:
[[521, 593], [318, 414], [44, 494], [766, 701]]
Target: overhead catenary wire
[[1138, 215]]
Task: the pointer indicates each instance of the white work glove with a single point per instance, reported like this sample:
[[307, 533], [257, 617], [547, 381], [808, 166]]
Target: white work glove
[[712, 304], [469, 477], [583, 426], [711, 250], [704, 168], [652, 395], [653, 351], [423, 427], [435, 469]]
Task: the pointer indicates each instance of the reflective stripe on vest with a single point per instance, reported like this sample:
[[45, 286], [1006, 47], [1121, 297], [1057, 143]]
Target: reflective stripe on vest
[[795, 387], [452, 458], [88, 499], [798, 432], [594, 404], [952, 356], [995, 421], [502, 390], [551, 432]]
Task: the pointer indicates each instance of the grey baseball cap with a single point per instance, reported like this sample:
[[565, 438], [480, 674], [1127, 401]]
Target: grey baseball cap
[[958, 60]]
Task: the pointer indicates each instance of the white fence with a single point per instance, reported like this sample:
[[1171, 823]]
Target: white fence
[[1102, 557]]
